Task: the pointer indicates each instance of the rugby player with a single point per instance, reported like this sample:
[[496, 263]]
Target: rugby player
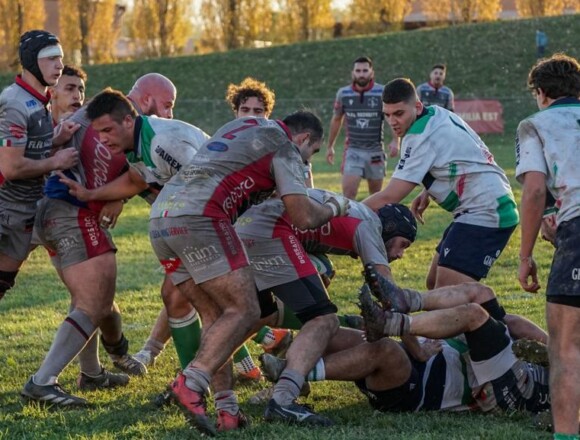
[[360, 104], [546, 157], [26, 140]]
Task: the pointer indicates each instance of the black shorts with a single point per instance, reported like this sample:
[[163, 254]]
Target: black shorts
[[564, 280], [472, 250]]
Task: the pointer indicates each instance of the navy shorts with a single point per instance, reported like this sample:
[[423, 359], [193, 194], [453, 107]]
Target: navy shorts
[[472, 250], [564, 280], [405, 398]]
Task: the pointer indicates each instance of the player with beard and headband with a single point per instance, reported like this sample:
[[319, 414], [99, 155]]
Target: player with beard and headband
[[360, 104], [27, 137]]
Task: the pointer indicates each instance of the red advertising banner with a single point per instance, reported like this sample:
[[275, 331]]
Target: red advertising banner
[[483, 115]]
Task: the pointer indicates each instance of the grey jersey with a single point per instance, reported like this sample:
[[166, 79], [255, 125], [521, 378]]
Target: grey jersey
[[25, 122], [357, 235], [240, 165], [431, 95], [363, 111]]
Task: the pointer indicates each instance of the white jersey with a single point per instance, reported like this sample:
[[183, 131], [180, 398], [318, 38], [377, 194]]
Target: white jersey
[[459, 172], [549, 142], [163, 147]]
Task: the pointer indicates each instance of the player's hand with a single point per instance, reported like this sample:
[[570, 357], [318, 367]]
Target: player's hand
[[394, 147], [330, 155], [110, 213], [338, 204], [430, 347], [75, 189], [419, 205], [548, 229], [64, 131], [65, 158], [528, 269]]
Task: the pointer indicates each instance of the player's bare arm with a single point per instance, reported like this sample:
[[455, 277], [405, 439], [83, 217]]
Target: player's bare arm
[[395, 191], [126, 185], [307, 214], [532, 209], [14, 165], [335, 124]]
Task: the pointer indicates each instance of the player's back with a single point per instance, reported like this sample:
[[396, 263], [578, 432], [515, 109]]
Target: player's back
[[232, 170]]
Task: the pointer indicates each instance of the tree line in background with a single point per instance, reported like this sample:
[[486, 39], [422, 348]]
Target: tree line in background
[[90, 29]]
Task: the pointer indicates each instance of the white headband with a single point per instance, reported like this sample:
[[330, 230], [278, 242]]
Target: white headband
[[54, 50]]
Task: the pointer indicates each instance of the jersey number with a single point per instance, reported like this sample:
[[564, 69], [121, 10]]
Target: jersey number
[[249, 123]]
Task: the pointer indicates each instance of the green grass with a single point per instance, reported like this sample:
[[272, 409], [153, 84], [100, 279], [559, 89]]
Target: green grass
[[487, 60], [32, 311]]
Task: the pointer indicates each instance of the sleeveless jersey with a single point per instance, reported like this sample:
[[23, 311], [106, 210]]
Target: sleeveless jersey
[[442, 96], [357, 235], [363, 113], [549, 142], [25, 122], [239, 166], [459, 172]]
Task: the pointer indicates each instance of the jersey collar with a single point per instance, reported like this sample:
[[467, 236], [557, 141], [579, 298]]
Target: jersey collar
[[568, 100], [45, 99], [285, 128]]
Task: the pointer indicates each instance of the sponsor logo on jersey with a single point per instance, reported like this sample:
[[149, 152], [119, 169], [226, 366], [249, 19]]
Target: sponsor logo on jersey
[[201, 255], [31, 103], [323, 230], [35, 145], [238, 193], [101, 163], [93, 231], [217, 146], [446, 251], [168, 232], [298, 250], [173, 163], [267, 264], [404, 158], [576, 274], [65, 244], [362, 123]]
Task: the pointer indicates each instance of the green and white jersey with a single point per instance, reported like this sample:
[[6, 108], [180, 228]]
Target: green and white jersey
[[163, 147], [459, 172], [549, 142]]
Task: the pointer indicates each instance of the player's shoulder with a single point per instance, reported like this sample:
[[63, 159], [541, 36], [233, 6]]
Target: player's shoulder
[[346, 90]]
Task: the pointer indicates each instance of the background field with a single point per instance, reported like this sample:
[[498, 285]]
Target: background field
[[484, 61]]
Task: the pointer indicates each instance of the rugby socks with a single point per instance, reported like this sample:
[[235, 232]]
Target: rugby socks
[[111, 327], [288, 387], [397, 324], [226, 401], [72, 335], [560, 436], [154, 347], [186, 333], [318, 373], [89, 357], [265, 336], [414, 299], [244, 364], [197, 380]]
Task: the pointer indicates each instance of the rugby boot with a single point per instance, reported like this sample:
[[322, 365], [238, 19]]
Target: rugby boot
[[51, 395], [105, 379], [294, 414], [145, 357], [531, 351], [129, 364], [283, 339], [388, 293], [192, 404], [373, 315], [228, 422]]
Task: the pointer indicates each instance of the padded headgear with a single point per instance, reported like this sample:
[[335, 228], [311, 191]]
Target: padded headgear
[[31, 43], [397, 221]]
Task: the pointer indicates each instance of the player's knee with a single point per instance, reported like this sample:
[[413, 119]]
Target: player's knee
[[7, 280], [321, 308], [479, 293], [477, 316]]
